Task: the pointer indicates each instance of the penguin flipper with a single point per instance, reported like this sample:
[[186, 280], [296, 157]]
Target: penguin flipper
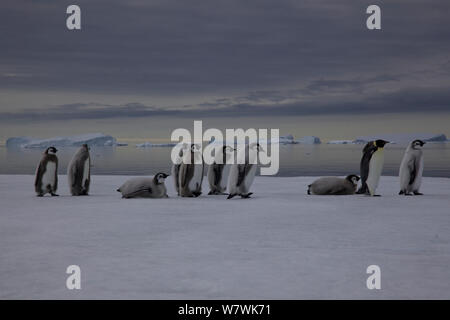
[[39, 174], [137, 193], [217, 173], [413, 171], [242, 173]]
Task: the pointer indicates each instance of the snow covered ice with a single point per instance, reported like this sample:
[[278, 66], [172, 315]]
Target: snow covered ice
[[280, 244]]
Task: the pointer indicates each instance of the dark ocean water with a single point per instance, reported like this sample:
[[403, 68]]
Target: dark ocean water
[[295, 160]]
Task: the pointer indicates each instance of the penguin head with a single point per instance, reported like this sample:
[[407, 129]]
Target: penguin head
[[51, 150], [227, 152], [256, 146], [85, 146], [417, 144], [160, 177], [195, 147], [183, 147], [380, 143], [353, 178]]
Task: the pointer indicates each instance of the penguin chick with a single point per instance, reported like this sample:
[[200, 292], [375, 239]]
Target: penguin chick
[[79, 172], [411, 169], [145, 187], [243, 172], [334, 186], [46, 180]]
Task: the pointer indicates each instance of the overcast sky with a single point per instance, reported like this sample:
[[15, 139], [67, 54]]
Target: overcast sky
[[222, 58]]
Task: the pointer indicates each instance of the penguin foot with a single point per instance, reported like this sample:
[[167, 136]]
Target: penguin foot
[[376, 195], [231, 195], [401, 192], [246, 196], [417, 193], [210, 193], [39, 195], [196, 194], [54, 194]]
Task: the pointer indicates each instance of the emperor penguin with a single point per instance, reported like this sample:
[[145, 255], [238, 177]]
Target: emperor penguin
[[79, 172], [191, 172], [219, 170], [145, 187], [372, 166], [334, 186], [243, 172], [411, 169], [176, 166], [46, 180]]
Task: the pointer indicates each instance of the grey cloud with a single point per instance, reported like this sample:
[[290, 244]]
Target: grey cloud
[[418, 99], [291, 56]]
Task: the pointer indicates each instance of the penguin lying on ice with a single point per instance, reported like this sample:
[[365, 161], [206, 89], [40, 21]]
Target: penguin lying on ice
[[145, 187], [334, 185]]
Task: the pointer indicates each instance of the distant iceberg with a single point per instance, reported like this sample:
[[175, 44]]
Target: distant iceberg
[[403, 138], [91, 139], [340, 142], [309, 140], [155, 145], [289, 139]]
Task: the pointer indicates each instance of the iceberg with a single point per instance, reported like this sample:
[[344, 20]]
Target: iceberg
[[340, 142], [309, 140], [289, 139], [91, 139], [155, 145], [403, 138]]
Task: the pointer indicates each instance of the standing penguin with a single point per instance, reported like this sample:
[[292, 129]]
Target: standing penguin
[[46, 180], [191, 173], [411, 169], [334, 185], [243, 173], [371, 166], [79, 172], [145, 187], [176, 167], [218, 171]]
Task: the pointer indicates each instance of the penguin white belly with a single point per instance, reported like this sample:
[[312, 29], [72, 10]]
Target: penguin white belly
[[248, 180], [85, 171], [375, 169], [196, 180], [49, 175]]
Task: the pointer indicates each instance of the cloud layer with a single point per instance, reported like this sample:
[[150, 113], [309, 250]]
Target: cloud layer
[[270, 57]]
